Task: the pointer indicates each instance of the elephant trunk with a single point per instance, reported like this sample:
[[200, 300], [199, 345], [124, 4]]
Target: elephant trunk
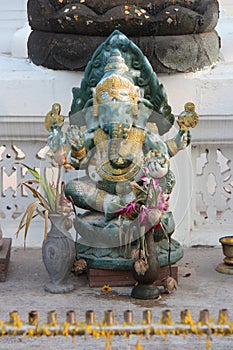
[[118, 132]]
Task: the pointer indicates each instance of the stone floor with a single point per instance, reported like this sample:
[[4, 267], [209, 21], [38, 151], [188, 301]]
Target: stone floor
[[200, 287]]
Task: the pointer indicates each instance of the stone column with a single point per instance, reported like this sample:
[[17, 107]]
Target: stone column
[[176, 35]]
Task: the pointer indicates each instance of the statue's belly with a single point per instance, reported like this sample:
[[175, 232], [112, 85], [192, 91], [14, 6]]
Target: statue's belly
[[114, 180]]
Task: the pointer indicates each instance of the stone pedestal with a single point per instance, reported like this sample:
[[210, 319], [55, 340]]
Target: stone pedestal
[[5, 258], [121, 278]]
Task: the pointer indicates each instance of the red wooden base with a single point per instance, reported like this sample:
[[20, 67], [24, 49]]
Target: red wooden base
[[5, 258], [120, 278]]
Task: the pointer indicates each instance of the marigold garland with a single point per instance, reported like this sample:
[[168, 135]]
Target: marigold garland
[[106, 289], [205, 326]]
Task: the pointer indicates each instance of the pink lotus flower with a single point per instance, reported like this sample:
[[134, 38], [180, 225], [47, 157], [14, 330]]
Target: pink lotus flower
[[146, 181], [129, 212], [150, 198], [143, 214]]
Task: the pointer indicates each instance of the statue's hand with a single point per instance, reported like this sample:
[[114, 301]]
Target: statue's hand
[[182, 139], [179, 142], [76, 140], [75, 137], [158, 167]]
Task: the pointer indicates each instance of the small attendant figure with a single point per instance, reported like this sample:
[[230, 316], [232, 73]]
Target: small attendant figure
[[54, 117], [188, 118]]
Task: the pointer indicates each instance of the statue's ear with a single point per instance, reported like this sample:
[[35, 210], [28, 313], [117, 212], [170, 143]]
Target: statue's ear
[[163, 124]]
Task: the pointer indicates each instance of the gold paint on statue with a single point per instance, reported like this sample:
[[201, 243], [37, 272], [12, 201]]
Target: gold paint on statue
[[80, 154], [131, 145], [115, 87], [137, 135], [134, 141], [100, 140], [124, 177], [109, 169], [188, 118], [100, 199], [172, 146], [54, 117]]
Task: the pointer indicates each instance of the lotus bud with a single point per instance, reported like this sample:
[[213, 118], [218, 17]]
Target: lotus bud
[[80, 266], [140, 267], [135, 254], [169, 284], [154, 216], [60, 156]]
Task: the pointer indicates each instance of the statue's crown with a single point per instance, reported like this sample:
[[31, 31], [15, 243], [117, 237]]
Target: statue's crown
[[115, 62]]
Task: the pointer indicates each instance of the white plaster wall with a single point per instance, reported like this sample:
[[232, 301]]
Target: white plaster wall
[[57, 85], [226, 6], [13, 15], [30, 90]]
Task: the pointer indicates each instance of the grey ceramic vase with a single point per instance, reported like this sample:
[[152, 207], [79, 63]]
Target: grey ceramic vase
[[58, 253]]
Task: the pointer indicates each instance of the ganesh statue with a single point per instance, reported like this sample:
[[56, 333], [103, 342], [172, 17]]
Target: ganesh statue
[[117, 119]]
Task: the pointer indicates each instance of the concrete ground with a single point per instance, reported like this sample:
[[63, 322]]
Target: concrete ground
[[200, 287]]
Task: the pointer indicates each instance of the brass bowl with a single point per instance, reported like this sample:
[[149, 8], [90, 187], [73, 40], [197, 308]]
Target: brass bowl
[[227, 247]]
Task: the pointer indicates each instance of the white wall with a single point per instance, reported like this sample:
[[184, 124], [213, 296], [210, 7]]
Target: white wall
[[226, 6], [12, 17]]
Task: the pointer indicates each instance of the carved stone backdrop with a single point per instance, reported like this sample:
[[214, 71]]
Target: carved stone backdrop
[[210, 213], [214, 185], [14, 198]]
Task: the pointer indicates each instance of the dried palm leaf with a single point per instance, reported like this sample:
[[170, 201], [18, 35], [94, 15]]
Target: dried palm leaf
[[46, 223], [29, 215], [39, 196]]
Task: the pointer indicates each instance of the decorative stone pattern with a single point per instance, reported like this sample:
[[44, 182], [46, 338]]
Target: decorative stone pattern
[[72, 52], [176, 36], [15, 199], [29, 149], [140, 18], [214, 184]]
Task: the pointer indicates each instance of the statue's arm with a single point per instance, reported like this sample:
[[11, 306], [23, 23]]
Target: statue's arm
[[153, 142], [188, 118], [181, 140], [170, 147]]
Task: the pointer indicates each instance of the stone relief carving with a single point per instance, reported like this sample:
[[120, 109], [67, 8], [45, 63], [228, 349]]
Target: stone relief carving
[[175, 35]]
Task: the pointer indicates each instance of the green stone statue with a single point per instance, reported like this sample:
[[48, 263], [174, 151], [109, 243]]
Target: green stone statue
[[117, 118]]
